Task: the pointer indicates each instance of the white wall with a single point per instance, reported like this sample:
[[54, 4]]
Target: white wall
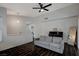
[[3, 26], [24, 35], [78, 32], [62, 24]]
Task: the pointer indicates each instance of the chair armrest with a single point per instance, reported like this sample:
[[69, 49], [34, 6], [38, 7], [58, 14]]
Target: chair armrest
[[62, 44]]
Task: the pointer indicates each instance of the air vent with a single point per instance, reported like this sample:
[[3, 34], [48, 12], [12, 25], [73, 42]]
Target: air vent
[[46, 18]]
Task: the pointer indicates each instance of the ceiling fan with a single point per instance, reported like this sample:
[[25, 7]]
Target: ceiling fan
[[42, 7]]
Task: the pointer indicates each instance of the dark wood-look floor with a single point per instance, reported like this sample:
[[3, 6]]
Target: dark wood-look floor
[[27, 50]]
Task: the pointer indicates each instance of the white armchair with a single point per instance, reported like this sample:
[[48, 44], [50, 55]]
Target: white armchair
[[55, 44]]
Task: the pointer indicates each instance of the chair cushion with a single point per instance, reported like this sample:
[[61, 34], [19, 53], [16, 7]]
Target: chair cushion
[[45, 38], [57, 40], [55, 45], [42, 38], [48, 39], [44, 42]]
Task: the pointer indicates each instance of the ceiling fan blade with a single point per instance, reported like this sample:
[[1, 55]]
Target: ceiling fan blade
[[41, 5], [46, 9], [36, 8], [47, 5]]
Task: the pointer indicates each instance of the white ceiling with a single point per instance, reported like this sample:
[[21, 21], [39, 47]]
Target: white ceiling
[[25, 9], [69, 11]]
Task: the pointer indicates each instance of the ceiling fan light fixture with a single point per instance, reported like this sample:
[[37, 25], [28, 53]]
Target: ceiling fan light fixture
[[42, 10]]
